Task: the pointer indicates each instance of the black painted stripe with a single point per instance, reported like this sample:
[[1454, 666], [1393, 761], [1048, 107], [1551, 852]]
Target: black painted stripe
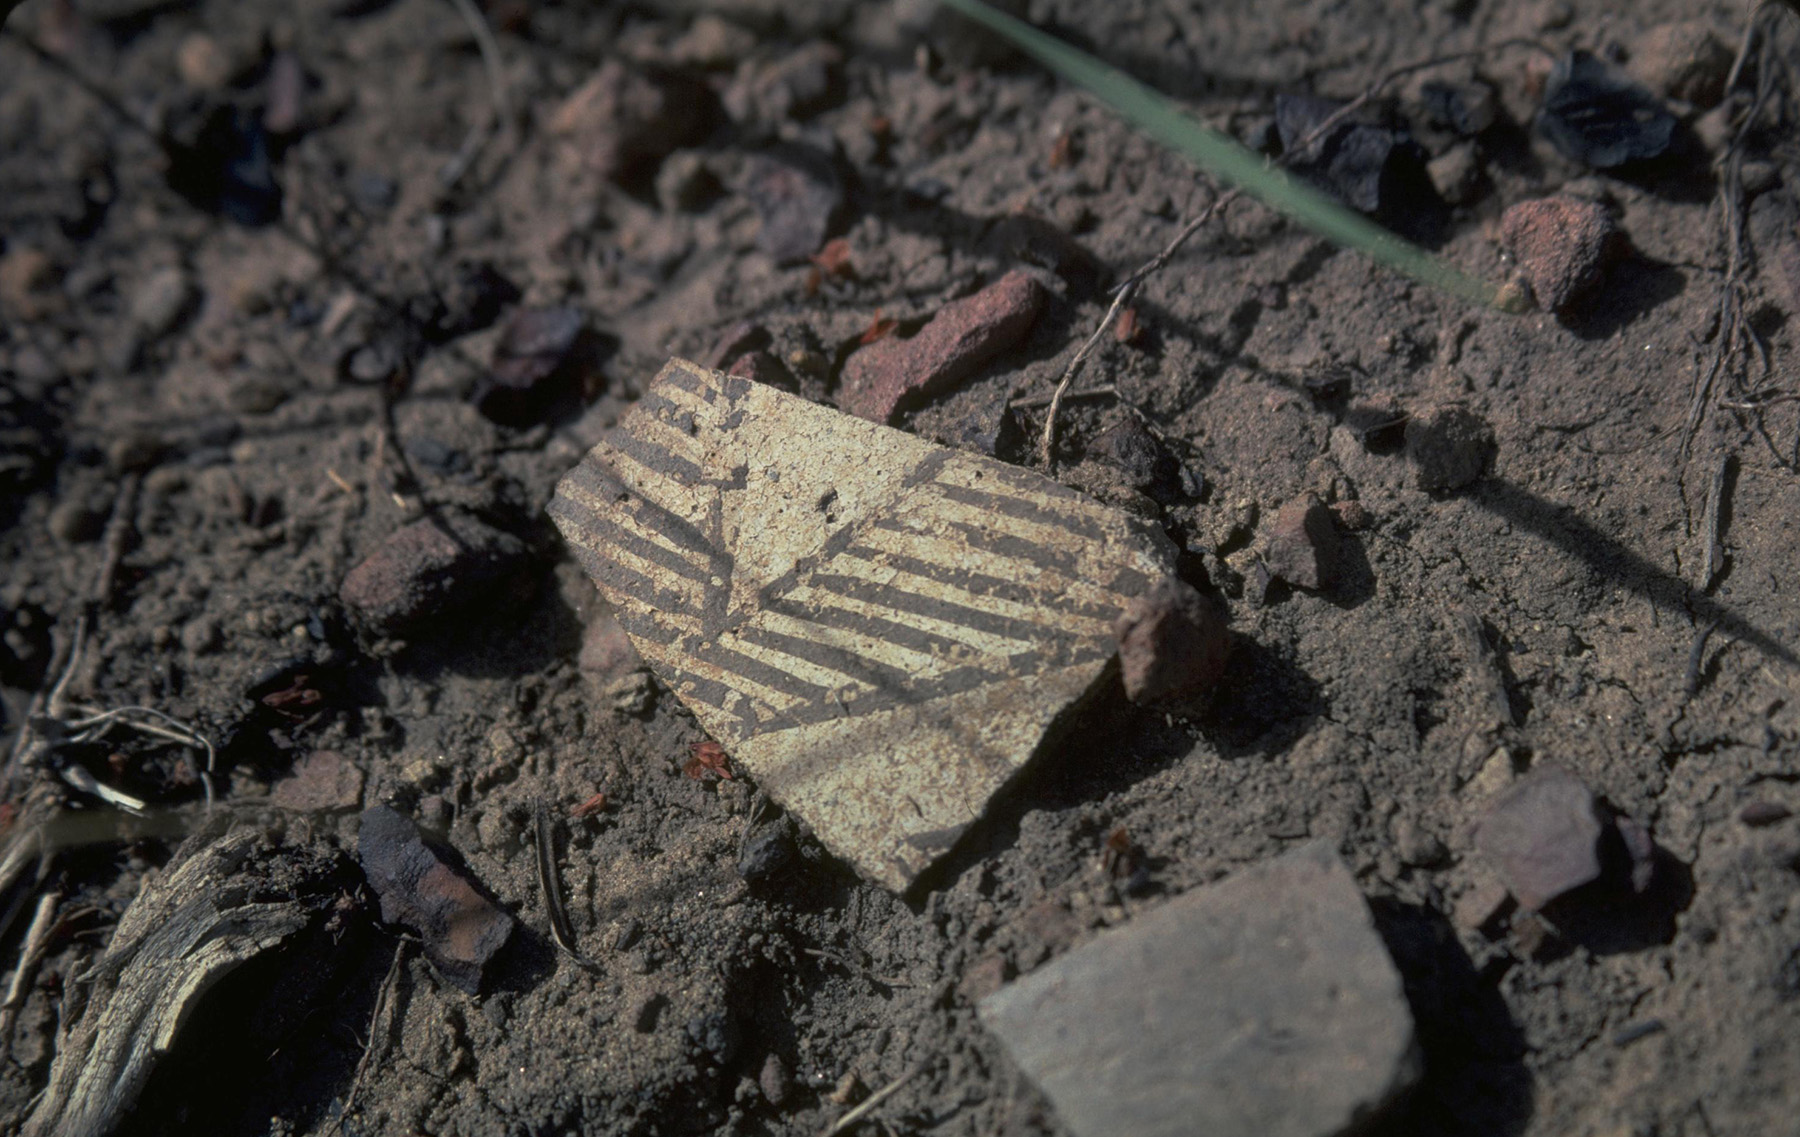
[[932, 608], [849, 664], [1021, 509], [1000, 544], [981, 584], [686, 380], [653, 457], [647, 550], [622, 583], [901, 635], [1030, 483], [755, 670]]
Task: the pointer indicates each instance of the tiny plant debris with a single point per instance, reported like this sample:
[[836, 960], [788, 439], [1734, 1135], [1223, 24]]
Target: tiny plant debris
[[708, 758], [588, 808], [880, 328]]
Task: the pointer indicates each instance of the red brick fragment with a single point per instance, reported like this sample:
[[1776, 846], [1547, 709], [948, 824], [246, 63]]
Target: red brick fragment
[[959, 340], [1303, 547]]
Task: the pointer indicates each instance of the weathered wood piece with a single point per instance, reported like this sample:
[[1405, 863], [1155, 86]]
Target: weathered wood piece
[[184, 932], [880, 630]]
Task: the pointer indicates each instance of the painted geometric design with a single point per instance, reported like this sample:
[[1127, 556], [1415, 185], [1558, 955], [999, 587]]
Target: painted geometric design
[[880, 630]]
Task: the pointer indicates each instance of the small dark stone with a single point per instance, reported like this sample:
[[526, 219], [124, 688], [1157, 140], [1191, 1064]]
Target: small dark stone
[[1139, 454], [1466, 108], [543, 357], [1372, 168], [761, 367], [219, 160], [1449, 445], [1596, 114], [1303, 545], [798, 194], [428, 569], [1542, 836], [715, 1035], [472, 299], [424, 890], [768, 852], [1757, 814], [1172, 648]]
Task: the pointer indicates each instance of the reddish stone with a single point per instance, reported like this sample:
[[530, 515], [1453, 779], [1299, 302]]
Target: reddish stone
[[959, 340], [1563, 245], [427, 569], [422, 890], [1542, 836], [1303, 547], [1172, 648], [761, 367], [543, 357]]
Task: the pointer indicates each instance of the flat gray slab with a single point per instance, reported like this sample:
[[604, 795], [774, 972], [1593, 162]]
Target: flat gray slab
[[1261, 1006], [882, 631]]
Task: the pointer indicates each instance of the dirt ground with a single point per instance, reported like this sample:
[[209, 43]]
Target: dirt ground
[[207, 424]]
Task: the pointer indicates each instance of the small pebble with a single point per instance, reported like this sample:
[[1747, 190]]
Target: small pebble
[[543, 357], [75, 523], [1542, 836], [625, 120], [798, 194], [1173, 644], [1562, 244], [775, 1081], [202, 63], [428, 569], [1683, 59], [1303, 544], [1757, 814], [1597, 115], [161, 299]]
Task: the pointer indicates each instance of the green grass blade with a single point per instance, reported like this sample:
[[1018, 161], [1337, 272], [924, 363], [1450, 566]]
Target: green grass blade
[[1225, 159]]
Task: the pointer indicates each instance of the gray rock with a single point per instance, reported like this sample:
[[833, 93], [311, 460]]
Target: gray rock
[[1263, 1006], [159, 303]]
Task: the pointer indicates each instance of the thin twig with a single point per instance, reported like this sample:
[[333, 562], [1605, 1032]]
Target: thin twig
[[561, 930], [496, 73], [874, 1099], [382, 999], [37, 938], [1711, 525], [1030, 402]]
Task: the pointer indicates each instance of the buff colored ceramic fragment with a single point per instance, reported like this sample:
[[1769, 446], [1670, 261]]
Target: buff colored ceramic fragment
[[881, 631]]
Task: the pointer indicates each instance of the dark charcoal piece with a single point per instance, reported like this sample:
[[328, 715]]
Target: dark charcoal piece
[[219, 160], [1372, 168], [422, 889], [1594, 113], [1466, 108]]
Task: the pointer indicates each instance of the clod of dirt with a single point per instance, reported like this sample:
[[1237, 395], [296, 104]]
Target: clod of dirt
[[427, 569], [1172, 648], [798, 194], [1033, 240], [1456, 174], [1683, 59], [323, 780], [423, 891], [1596, 114], [1140, 1031], [1303, 544], [625, 120], [161, 299], [1562, 244], [1364, 164], [1465, 108], [1542, 836], [768, 852], [827, 511], [775, 1081], [797, 86], [1450, 446], [964, 335], [541, 360], [28, 278]]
